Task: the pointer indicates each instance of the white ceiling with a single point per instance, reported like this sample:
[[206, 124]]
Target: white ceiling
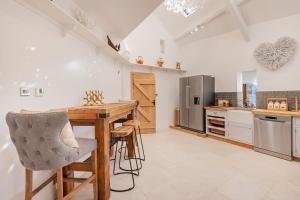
[[118, 18], [253, 11], [176, 23]]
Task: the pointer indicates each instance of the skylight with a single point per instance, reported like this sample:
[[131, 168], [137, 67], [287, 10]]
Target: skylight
[[184, 7]]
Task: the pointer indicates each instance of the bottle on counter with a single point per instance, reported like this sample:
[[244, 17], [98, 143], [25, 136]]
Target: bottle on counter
[[270, 105], [277, 105], [283, 105]]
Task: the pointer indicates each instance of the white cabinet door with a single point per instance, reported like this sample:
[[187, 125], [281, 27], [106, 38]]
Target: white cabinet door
[[240, 132], [296, 143]]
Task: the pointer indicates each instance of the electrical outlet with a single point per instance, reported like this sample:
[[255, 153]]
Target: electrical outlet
[[39, 92], [24, 92]]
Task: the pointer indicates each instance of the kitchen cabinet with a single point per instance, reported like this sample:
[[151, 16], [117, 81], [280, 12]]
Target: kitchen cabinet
[[240, 126], [216, 123], [296, 138], [240, 132]]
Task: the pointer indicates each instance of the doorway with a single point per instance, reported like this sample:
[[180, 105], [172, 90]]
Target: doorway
[[143, 89]]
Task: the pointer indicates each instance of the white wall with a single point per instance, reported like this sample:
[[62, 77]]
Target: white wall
[[226, 55], [145, 41], [33, 53]]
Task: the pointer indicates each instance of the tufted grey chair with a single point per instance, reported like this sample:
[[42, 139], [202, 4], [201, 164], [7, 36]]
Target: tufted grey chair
[[36, 137]]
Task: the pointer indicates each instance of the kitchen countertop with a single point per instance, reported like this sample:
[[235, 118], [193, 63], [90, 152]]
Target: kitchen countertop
[[222, 108], [277, 113], [256, 111]]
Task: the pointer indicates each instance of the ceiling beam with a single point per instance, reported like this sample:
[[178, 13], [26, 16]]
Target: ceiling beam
[[240, 21], [206, 20]]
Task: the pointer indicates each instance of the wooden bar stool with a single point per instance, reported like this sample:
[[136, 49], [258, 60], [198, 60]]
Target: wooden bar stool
[[121, 134], [37, 138], [136, 124]]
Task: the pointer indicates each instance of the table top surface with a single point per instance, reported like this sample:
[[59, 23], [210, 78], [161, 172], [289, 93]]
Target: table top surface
[[101, 109]]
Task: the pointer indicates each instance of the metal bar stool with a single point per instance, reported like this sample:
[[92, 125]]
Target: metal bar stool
[[136, 124], [121, 134], [37, 138]]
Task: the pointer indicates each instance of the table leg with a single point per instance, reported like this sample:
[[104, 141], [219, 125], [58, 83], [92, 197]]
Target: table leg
[[131, 139], [102, 136], [111, 152], [68, 186]]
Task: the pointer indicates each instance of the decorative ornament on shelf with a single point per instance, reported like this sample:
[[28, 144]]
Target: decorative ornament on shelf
[[112, 45], [93, 98], [83, 18], [139, 60], [274, 56], [160, 62], [178, 65]]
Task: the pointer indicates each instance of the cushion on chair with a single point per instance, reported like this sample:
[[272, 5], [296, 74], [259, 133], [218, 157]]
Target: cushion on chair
[[86, 146], [37, 140], [67, 135]]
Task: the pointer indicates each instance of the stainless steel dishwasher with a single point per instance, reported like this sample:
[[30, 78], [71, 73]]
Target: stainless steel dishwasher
[[273, 135]]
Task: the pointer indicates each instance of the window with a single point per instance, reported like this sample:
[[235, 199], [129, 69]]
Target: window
[[246, 88]]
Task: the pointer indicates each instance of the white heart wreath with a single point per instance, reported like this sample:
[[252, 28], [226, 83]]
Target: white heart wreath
[[274, 56]]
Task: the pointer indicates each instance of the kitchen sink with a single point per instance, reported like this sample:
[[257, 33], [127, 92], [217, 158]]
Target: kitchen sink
[[241, 108], [244, 116]]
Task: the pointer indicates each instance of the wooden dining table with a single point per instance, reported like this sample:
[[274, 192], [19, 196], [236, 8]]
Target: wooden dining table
[[101, 117]]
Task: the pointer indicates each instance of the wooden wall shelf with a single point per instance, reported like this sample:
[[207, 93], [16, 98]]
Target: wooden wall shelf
[[65, 20], [68, 23], [159, 68]]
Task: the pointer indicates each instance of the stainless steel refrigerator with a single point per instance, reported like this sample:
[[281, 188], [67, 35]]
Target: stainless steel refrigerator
[[196, 92]]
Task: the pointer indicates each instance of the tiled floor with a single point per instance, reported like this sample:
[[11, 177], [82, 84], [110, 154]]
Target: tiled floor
[[185, 167]]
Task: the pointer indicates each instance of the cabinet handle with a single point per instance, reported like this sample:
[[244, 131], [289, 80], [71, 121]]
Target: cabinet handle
[[294, 143]]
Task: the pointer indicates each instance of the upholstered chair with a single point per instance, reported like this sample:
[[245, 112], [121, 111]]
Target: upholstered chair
[[37, 138]]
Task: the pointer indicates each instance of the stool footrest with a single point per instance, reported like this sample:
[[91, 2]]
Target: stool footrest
[[82, 167], [77, 180], [44, 184]]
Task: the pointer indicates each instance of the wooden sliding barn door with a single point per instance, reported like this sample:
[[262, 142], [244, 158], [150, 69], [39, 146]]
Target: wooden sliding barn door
[[143, 89]]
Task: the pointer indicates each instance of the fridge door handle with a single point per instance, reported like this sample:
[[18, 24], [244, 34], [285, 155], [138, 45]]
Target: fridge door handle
[[187, 96]]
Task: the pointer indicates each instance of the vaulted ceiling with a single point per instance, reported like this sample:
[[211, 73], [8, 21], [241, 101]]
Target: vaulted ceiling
[[118, 18], [220, 18]]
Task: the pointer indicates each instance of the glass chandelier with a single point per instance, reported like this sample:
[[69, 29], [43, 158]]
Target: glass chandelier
[[184, 7]]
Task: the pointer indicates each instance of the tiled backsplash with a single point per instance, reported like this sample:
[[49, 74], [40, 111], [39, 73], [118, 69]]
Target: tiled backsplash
[[231, 96], [261, 98], [235, 98]]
